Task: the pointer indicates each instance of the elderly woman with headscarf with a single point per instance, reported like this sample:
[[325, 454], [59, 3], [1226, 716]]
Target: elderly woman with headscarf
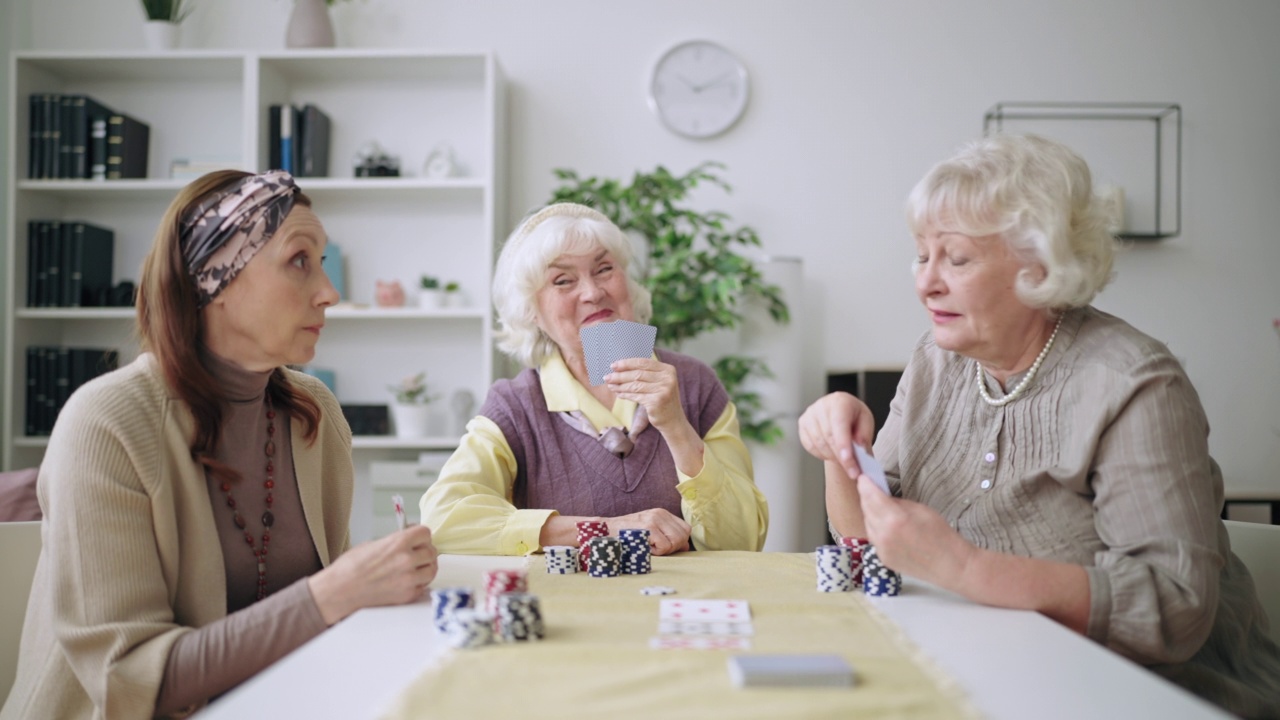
[[1043, 454], [655, 447], [196, 502]]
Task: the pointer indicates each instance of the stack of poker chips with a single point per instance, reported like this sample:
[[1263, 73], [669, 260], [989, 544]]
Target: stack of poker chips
[[447, 601], [468, 628], [562, 559], [519, 617], [635, 552], [588, 529], [858, 545], [835, 573], [878, 580], [604, 556], [497, 582]]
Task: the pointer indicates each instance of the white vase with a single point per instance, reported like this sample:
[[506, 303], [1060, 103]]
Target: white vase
[[309, 25], [160, 34], [410, 420], [454, 299]]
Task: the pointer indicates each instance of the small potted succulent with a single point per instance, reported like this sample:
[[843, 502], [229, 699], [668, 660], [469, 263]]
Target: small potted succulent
[[429, 293], [409, 412], [453, 294]]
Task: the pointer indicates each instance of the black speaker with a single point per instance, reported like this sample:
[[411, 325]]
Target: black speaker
[[876, 388]]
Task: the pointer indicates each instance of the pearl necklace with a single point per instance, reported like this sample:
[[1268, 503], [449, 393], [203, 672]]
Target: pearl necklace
[[1018, 389]]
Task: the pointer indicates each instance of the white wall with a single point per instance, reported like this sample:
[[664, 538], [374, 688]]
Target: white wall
[[851, 103]]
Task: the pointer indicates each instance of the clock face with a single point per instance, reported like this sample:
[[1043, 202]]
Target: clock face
[[698, 89]]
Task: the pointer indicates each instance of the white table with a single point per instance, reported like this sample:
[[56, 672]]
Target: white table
[[1013, 664]]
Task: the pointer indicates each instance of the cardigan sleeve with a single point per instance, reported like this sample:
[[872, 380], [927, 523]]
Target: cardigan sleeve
[[113, 616]]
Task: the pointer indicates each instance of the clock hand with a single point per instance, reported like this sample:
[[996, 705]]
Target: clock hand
[[714, 81]]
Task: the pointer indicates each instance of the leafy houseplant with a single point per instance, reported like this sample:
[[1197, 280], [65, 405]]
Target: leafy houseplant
[[697, 278], [412, 390], [428, 282], [172, 11]]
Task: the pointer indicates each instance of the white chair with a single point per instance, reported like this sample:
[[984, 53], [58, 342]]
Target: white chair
[[19, 550], [1258, 546]]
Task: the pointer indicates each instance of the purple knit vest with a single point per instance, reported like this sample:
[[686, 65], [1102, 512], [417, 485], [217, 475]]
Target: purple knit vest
[[560, 468]]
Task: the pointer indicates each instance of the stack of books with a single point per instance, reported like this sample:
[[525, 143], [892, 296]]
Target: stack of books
[[75, 136], [53, 373], [298, 140], [69, 264]]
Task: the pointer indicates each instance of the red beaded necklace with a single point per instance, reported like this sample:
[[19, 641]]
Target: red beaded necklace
[[268, 519]]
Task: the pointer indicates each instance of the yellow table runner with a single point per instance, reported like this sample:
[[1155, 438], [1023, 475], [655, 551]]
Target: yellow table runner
[[596, 662]]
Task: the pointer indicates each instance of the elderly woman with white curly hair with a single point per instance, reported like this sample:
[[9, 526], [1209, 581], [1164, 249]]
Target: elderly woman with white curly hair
[[655, 447], [1043, 454]]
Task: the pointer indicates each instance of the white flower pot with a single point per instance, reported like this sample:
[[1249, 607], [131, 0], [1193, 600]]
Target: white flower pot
[[411, 421], [429, 299], [309, 25], [454, 299], [160, 34]]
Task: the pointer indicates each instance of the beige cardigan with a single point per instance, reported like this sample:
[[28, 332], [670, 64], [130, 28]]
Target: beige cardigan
[[131, 557]]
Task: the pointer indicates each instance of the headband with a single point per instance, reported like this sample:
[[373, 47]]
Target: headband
[[222, 234], [571, 210]]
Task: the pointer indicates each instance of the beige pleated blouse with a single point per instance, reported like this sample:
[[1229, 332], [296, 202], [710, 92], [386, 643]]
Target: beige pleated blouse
[[1104, 463]]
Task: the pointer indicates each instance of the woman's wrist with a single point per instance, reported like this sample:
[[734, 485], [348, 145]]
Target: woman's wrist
[[329, 597]]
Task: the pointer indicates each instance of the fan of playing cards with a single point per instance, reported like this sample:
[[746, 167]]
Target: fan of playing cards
[[605, 343]]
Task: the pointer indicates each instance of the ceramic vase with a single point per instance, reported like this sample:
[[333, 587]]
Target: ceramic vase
[[309, 25]]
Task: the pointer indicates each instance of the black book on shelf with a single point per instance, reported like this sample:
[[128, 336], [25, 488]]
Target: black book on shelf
[[87, 114], [41, 251], [49, 103], [283, 126], [62, 380], [88, 266], [98, 119], [127, 144], [33, 263], [314, 131], [50, 388], [35, 143], [52, 292], [32, 420], [66, 135]]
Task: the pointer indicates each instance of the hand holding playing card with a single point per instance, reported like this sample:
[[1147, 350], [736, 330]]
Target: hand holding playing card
[[650, 383], [871, 468]]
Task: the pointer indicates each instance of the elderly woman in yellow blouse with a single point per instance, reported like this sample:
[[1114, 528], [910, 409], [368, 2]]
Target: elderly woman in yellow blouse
[[1043, 454], [655, 447]]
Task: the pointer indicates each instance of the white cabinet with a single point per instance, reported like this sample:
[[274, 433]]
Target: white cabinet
[[204, 105]]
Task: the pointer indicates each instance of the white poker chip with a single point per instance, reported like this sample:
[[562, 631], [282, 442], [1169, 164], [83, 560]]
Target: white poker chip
[[658, 590]]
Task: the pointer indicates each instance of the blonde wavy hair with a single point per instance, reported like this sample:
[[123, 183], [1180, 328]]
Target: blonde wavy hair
[[1036, 194], [521, 272]]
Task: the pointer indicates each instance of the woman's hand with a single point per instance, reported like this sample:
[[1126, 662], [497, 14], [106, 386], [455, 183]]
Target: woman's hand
[[391, 571], [913, 538], [667, 533], [652, 384], [830, 426]]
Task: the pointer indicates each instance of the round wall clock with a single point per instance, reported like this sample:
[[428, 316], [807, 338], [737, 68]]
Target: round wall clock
[[698, 89]]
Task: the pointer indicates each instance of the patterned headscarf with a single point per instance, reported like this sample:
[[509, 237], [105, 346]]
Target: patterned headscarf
[[222, 234]]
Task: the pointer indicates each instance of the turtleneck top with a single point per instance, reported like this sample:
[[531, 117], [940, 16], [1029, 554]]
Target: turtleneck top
[[214, 658]]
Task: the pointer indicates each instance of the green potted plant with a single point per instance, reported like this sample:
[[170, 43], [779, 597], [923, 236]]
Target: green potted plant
[[163, 16], [453, 294], [692, 267], [429, 294]]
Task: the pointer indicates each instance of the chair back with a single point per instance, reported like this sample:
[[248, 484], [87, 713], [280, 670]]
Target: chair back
[[1258, 547], [21, 549]]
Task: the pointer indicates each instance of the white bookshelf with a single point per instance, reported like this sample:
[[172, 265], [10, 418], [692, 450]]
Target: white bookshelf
[[214, 104]]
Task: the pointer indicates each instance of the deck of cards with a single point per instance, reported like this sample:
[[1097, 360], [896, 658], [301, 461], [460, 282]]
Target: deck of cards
[[605, 343], [790, 671]]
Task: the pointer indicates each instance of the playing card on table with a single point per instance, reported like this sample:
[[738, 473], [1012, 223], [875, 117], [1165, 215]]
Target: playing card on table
[[606, 343], [696, 627], [732, 611], [871, 468]]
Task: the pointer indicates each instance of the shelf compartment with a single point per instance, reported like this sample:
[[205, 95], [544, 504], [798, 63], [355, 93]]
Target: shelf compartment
[[1132, 145]]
